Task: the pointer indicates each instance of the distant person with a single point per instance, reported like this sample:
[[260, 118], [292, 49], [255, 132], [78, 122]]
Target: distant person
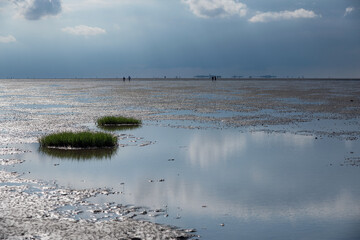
[[129, 78], [123, 79]]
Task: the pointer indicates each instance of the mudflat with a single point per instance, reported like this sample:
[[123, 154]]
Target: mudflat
[[31, 108]]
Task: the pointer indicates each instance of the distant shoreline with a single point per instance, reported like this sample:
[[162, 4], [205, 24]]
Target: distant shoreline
[[194, 79]]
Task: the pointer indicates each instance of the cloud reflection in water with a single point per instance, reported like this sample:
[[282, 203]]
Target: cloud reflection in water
[[205, 150], [262, 175]]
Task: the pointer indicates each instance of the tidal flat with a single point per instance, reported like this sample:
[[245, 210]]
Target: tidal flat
[[231, 159]]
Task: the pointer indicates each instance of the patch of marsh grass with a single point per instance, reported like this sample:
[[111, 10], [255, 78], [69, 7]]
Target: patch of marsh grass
[[116, 121], [79, 140]]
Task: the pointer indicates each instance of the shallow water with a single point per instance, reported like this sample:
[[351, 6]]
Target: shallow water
[[234, 160], [259, 185]]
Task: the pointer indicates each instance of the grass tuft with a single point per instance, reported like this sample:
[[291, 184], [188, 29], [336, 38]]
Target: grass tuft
[[79, 140], [113, 121]]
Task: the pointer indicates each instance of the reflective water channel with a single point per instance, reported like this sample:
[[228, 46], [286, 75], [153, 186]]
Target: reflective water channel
[[223, 183], [227, 183]]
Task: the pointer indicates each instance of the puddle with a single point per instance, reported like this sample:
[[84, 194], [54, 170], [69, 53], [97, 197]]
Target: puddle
[[298, 101], [10, 184], [225, 183]]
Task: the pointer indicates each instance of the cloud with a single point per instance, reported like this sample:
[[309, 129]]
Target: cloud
[[84, 30], [7, 39], [216, 8], [36, 9], [349, 10], [283, 15]]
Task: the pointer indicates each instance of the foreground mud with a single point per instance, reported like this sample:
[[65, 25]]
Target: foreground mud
[[30, 210]]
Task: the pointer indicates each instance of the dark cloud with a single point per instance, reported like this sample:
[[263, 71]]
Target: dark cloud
[[355, 3], [36, 9]]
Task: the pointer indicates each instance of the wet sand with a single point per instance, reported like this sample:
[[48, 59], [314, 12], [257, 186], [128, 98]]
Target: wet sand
[[32, 108]]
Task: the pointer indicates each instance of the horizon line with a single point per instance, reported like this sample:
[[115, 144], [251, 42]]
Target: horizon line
[[185, 78]]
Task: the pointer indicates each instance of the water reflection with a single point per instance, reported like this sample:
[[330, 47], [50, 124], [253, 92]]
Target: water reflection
[[286, 139], [119, 127], [341, 205], [207, 150], [252, 180], [265, 176], [79, 155]]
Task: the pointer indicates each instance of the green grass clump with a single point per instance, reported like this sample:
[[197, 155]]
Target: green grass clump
[[79, 140], [112, 120]]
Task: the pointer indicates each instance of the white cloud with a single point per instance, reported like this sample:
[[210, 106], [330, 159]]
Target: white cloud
[[7, 39], [216, 8], [84, 30], [283, 15], [348, 10]]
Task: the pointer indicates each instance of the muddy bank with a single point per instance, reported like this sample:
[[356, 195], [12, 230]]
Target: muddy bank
[[35, 210]]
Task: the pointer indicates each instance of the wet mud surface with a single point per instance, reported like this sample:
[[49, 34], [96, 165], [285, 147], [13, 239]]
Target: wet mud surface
[[32, 209], [30, 108]]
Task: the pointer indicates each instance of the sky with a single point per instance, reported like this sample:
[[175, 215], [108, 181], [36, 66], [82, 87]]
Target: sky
[[183, 38]]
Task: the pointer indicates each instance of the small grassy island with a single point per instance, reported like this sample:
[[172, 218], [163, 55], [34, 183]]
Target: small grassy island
[[83, 140], [118, 121]]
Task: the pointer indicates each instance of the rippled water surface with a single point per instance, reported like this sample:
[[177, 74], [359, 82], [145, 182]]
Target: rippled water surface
[[192, 170]]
